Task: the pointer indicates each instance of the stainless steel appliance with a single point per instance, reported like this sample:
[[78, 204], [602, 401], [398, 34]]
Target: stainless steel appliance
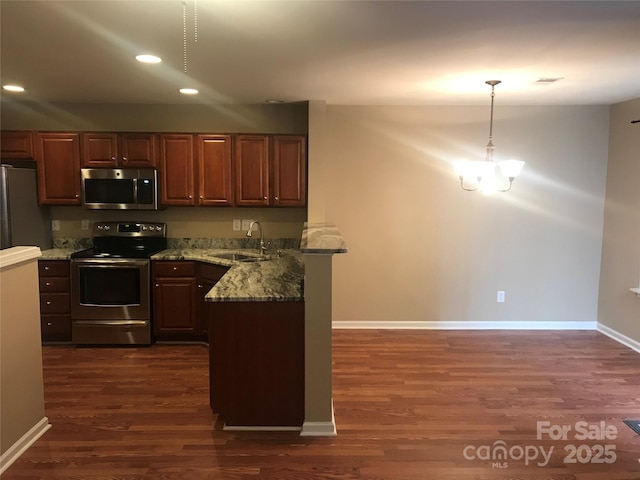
[[110, 284], [22, 220], [120, 188]]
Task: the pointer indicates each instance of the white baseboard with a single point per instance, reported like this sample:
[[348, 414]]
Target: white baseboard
[[259, 428], [23, 443], [619, 337], [468, 325], [320, 429]]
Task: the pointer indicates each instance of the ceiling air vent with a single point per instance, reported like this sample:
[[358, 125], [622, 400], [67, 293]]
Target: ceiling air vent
[[547, 80]]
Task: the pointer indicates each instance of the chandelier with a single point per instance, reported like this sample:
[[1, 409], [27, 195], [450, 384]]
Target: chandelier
[[483, 175]]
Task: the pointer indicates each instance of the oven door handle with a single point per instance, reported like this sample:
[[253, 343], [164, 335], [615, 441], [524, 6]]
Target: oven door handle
[[121, 323]]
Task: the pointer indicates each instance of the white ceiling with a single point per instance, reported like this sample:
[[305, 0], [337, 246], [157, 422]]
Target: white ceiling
[[343, 52]]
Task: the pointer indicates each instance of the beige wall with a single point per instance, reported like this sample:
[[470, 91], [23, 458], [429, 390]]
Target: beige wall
[[21, 390], [421, 249], [618, 307]]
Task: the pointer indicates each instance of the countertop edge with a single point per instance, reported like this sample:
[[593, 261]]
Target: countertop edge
[[322, 238]]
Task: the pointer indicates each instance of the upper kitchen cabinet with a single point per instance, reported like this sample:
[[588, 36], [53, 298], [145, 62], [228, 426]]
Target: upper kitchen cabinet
[[16, 144], [58, 157], [251, 155], [214, 166], [177, 169], [119, 149], [270, 170], [289, 171]]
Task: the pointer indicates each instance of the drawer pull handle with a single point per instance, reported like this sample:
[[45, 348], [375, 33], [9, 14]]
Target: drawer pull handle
[[48, 284]]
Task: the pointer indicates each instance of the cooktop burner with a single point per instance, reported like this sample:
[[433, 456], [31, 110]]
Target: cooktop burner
[[113, 240]]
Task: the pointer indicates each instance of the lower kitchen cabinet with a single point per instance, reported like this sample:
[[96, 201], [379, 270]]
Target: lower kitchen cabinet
[[175, 309], [55, 306], [208, 275], [179, 309], [256, 354]]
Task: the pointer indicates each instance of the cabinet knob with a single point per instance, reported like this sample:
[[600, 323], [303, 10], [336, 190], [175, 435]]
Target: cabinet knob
[[264, 198], [48, 302], [77, 196], [276, 199], [48, 284], [190, 197], [157, 284], [46, 268], [124, 159], [175, 268], [49, 324], [200, 286], [201, 197], [113, 159]]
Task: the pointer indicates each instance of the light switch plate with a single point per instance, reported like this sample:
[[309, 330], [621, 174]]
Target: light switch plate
[[85, 225], [500, 296]]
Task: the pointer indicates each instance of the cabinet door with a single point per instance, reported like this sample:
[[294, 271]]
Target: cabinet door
[[252, 170], [138, 150], [99, 149], [214, 170], [176, 169], [58, 157], [175, 308], [289, 171], [16, 144]]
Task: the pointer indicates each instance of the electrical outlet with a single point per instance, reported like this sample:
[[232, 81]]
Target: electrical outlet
[[246, 223], [85, 225], [55, 225], [237, 224], [500, 296]]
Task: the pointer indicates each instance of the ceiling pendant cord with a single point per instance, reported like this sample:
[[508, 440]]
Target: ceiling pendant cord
[[184, 34], [490, 146]]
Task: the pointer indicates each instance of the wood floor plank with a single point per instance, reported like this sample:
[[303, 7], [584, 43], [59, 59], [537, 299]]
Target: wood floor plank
[[407, 405]]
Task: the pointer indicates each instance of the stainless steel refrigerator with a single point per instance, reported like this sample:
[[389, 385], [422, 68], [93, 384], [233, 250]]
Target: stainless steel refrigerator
[[22, 220]]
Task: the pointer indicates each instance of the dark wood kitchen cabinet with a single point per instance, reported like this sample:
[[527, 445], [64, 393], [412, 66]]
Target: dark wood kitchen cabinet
[[58, 159], [175, 306], [208, 275], [196, 170], [214, 170], [270, 170], [179, 309], [289, 171], [16, 144], [104, 149], [177, 170], [256, 353], [55, 306]]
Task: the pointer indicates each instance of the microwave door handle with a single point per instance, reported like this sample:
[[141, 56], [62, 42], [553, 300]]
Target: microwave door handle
[[135, 190]]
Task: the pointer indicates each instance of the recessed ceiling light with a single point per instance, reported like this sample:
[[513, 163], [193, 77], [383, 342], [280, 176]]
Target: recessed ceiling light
[[189, 91], [13, 88], [274, 100], [148, 58]]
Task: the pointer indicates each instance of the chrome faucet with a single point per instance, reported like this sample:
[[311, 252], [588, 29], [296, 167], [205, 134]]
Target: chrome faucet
[[263, 249]]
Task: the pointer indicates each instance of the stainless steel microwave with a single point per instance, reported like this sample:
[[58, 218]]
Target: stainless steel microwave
[[120, 188]]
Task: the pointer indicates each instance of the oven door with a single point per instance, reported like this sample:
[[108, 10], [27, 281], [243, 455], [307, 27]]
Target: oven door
[[110, 301]]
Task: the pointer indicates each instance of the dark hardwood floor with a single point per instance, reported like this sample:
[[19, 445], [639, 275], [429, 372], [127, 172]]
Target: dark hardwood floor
[[408, 405]]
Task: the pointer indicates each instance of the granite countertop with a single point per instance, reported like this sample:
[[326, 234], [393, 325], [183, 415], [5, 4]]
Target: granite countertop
[[322, 238], [279, 279]]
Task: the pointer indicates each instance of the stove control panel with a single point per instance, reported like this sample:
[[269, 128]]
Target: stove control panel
[[129, 229]]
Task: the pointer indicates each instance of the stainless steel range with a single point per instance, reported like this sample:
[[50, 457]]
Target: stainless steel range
[[110, 284]]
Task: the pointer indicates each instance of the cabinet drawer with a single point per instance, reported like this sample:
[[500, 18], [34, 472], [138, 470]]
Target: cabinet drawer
[[56, 328], [54, 284], [53, 268], [54, 303], [174, 269]]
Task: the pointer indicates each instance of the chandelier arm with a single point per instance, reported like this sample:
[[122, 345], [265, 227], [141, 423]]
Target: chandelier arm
[[465, 188]]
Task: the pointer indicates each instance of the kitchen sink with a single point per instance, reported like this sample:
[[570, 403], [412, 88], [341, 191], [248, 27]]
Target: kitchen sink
[[241, 257]]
